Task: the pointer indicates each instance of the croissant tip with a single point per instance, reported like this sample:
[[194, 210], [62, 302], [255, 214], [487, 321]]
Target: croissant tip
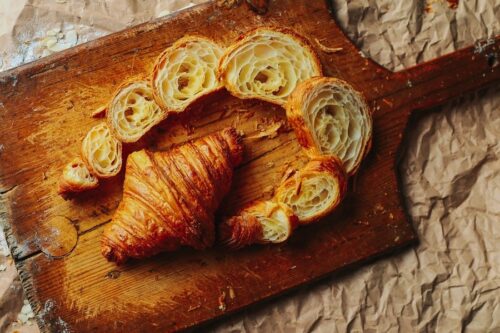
[[235, 141], [112, 255]]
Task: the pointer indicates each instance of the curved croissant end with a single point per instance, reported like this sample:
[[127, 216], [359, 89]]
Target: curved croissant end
[[75, 178], [185, 72], [316, 190], [133, 111], [102, 152], [262, 222], [331, 118], [267, 64], [169, 198]]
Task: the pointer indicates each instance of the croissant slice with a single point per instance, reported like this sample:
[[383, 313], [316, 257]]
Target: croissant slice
[[76, 177], [133, 111], [262, 222], [267, 64], [185, 72], [316, 190], [169, 198], [102, 152], [331, 118]]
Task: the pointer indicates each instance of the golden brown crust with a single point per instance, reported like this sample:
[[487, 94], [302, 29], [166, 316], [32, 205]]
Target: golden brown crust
[[260, 222], [285, 33], [316, 190], [169, 198], [305, 111], [76, 178], [133, 111], [160, 75]]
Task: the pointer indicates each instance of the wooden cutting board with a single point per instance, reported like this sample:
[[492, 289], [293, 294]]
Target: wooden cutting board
[[45, 110]]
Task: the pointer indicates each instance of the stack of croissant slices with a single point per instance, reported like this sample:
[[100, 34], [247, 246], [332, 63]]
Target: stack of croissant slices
[[331, 120]]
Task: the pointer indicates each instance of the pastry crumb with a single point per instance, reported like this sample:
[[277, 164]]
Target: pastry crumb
[[327, 49], [222, 301]]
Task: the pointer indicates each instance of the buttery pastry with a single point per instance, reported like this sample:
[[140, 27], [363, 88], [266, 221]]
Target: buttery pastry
[[331, 118], [102, 152], [262, 222], [76, 177], [316, 190], [185, 72], [169, 198], [268, 64], [133, 111]]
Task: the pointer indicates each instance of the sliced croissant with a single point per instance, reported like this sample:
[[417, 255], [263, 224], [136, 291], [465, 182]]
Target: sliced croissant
[[75, 178], [267, 64], [331, 118], [185, 72], [169, 198], [102, 152], [316, 190], [133, 111], [262, 222]]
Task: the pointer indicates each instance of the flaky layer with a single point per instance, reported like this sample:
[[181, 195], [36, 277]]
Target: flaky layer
[[185, 72], [331, 118], [133, 111], [261, 222], [76, 177], [268, 64], [102, 152], [314, 191]]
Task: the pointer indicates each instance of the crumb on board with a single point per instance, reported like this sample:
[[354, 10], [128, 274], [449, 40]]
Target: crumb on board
[[194, 307], [267, 132], [268, 190], [232, 295], [222, 301], [100, 112], [327, 49]]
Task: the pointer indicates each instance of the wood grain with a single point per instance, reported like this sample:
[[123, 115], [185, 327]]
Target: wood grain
[[45, 110]]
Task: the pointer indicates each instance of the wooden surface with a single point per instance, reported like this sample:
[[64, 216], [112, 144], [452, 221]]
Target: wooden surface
[[45, 110]]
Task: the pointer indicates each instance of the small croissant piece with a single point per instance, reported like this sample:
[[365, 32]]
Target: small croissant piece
[[316, 190], [75, 178], [262, 222], [169, 198]]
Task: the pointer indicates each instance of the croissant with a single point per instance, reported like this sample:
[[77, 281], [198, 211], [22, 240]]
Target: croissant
[[316, 190], [185, 72], [267, 64], [102, 152], [331, 118], [76, 177], [133, 111], [262, 222], [169, 198]]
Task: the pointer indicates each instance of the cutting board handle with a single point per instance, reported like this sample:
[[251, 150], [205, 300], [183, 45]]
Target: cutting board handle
[[449, 76]]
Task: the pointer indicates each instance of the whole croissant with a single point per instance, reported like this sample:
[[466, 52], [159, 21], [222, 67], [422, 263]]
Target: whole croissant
[[169, 198]]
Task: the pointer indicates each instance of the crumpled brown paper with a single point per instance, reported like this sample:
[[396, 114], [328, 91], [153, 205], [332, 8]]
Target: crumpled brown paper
[[451, 172]]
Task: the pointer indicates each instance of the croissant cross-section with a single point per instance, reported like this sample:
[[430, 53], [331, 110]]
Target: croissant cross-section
[[331, 118], [133, 111], [102, 152], [169, 198], [268, 64], [185, 72]]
